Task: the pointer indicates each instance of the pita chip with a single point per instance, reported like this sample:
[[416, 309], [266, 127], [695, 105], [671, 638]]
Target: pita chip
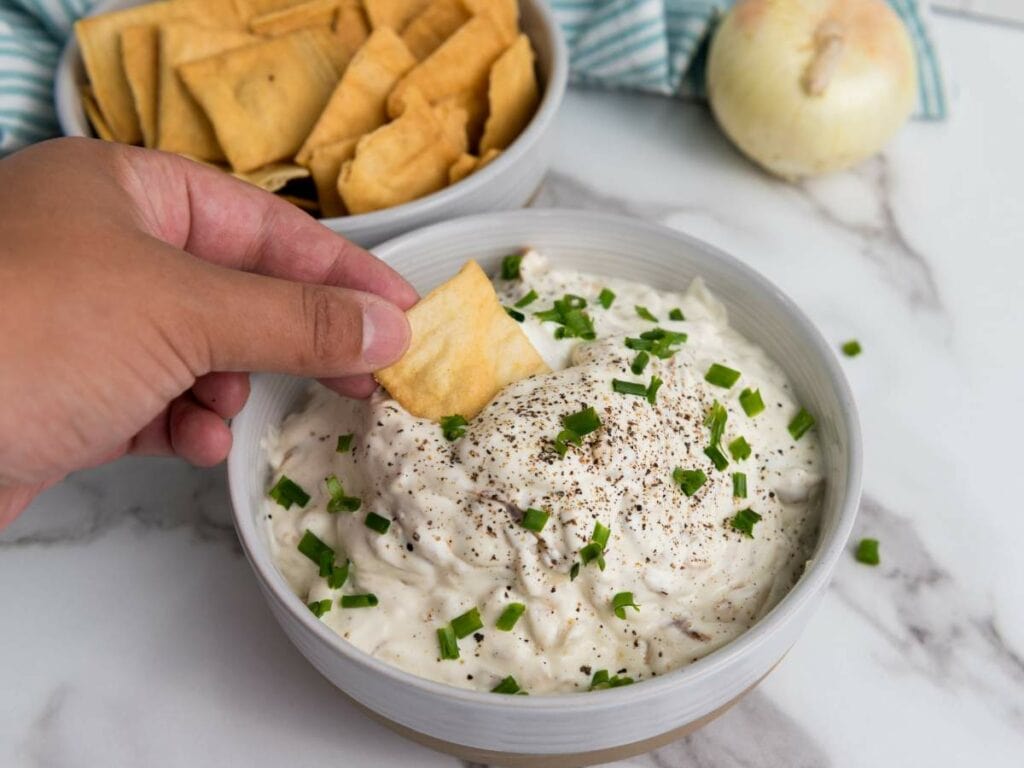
[[92, 111], [395, 14], [325, 164], [434, 24], [464, 350], [512, 95], [351, 26], [313, 13], [140, 50]]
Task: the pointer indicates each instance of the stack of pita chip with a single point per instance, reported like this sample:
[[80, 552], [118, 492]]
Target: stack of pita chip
[[343, 106]]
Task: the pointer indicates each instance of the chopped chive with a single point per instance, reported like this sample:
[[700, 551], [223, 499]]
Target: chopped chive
[[629, 388], [605, 298], [690, 480], [515, 314], [645, 313], [377, 523], [562, 440], [751, 401], [333, 486], [739, 485], [676, 314], [593, 552], [717, 457], [367, 600], [507, 685], [453, 427], [534, 519], [639, 363], [326, 564], [638, 344], [287, 492], [572, 301], [508, 618], [851, 348], [715, 421], [740, 449], [344, 443], [319, 607], [652, 389], [572, 321], [602, 680], [721, 376], [582, 422], [312, 547], [338, 576], [867, 552], [601, 534], [510, 266], [339, 501], [527, 300], [574, 571], [448, 642], [744, 521], [467, 623], [621, 602], [802, 422]]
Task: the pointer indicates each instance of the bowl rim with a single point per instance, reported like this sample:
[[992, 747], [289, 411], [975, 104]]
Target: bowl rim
[[551, 100], [811, 583]]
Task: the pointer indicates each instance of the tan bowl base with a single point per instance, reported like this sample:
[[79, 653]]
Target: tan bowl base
[[513, 760]]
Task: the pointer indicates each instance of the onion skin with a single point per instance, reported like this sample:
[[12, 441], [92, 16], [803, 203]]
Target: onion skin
[[805, 87]]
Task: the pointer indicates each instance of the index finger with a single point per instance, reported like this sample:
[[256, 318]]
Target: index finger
[[224, 220]]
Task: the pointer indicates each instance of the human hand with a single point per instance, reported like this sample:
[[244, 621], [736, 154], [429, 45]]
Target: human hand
[[137, 288]]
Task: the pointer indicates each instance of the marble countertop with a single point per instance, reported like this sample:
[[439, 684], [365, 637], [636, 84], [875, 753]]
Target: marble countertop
[[133, 633]]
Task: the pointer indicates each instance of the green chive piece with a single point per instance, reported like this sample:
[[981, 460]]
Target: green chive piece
[[338, 577], [629, 388], [851, 348], [690, 480], [717, 457], [367, 600], [676, 314], [377, 523], [574, 571], [448, 642], [507, 685], [287, 492], [326, 564], [508, 618], [605, 298], [715, 421], [562, 440], [621, 602], [527, 300], [312, 547], [333, 484], [751, 401], [645, 313], [453, 427], [744, 521], [339, 501], [659, 342], [601, 680], [652, 389], [319, 607], [582, 422], [739, 485], [593, 552], [535, 519], [344, 443], [639, 363], [867, 552], [515, 314], [467, 623], [721, 376], [601, 534], [740, 449], [802, 422], [510, 266], [572, 321]]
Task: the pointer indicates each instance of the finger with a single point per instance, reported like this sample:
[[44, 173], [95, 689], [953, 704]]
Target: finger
[[154, 439], [198, 434], [254, 323], [234, 224], [359, 387], [14, 499], [223, 392]]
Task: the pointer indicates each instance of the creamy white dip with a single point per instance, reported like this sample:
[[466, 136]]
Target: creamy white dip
[[455, 541]]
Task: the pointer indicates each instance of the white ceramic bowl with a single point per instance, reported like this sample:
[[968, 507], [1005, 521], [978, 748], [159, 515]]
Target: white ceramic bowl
[[574, 729], [508, 182]]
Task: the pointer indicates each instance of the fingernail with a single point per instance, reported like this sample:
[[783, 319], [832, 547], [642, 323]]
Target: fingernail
[[385, 333]]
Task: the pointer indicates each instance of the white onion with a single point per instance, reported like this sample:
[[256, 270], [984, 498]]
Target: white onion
[[810, 86]]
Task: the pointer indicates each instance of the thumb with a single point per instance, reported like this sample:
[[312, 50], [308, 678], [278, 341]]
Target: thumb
[[255, 323]]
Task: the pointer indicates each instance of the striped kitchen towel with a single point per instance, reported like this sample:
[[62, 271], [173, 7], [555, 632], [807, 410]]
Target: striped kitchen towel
[[648, 45]]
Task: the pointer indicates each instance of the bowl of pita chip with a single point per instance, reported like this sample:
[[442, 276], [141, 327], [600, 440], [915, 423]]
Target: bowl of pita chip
[[375, 116]]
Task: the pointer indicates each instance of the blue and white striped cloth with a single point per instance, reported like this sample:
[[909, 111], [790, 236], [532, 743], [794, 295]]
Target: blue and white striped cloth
[[648, 45]]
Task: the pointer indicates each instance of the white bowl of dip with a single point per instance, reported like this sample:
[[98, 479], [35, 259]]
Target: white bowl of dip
[[510, 181], [574, 729]]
